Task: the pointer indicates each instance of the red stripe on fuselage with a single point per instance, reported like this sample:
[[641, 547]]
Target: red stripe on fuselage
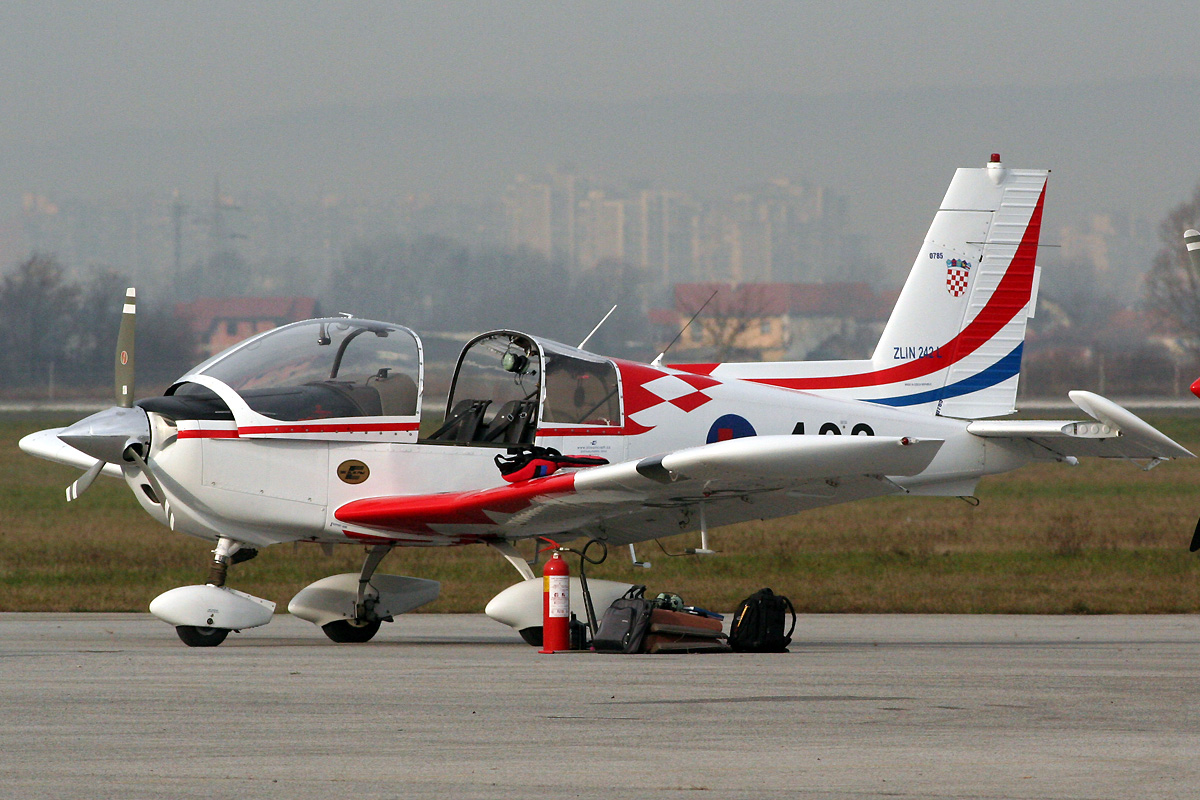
[[210, 433], [351, 427], [300, 427]]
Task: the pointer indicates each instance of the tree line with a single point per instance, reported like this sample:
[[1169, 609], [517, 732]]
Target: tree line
[[61, 334], [437, 284], [61, 331]]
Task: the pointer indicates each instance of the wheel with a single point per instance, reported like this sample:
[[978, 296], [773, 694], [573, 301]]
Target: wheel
[[351, 631], [532, 636], [194, 636]]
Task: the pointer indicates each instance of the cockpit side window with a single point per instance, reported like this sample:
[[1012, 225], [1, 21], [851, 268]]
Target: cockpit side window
[[580, 391]]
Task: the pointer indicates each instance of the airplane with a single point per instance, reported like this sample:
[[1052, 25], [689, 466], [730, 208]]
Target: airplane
[[311, 432]]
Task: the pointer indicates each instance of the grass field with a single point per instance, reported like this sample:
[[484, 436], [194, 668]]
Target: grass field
[[1103, 537]]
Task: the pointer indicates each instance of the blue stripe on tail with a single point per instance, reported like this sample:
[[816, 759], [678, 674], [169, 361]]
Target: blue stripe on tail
[[1002, 370]]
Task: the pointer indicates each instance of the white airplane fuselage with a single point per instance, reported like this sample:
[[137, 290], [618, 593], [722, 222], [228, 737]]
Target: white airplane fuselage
[[266, 490]]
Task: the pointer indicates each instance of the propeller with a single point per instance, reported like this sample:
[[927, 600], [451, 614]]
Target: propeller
[[123, 369], [109, 434]]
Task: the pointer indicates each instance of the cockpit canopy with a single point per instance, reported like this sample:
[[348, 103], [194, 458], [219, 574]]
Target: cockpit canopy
[[507, 386], [318, 369]]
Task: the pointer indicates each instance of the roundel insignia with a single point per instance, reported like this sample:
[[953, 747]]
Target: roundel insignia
[[730, 426], [124, 357], [353, 472]]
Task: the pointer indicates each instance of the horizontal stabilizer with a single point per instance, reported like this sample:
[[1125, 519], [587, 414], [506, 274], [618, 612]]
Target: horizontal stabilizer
[[1113, 432]]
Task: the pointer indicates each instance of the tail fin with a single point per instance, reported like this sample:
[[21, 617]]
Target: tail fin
[[953, 343]]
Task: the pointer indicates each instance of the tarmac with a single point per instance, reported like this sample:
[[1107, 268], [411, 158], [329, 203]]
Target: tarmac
[[450, 706]]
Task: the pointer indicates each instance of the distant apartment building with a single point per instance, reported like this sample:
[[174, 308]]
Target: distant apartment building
[[540, 215], [1116, 249], [782, 230], [664, 233]]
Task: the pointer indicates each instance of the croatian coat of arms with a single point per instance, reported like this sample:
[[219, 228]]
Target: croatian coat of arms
[[958, 272]]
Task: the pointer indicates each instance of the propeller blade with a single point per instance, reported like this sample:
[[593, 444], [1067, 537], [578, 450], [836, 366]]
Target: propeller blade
[[134, 454], [84, 481], [1191, 238], [1195, 539], [125, 341]]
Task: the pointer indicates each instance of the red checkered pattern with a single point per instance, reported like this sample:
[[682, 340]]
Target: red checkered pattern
[[956, 280], [682, 391]]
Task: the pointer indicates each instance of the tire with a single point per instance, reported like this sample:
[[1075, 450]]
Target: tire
[[349, 631], [194, 636], [532, 636]]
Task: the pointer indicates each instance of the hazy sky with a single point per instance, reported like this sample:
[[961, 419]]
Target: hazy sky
[[375, 101], [71, 67]]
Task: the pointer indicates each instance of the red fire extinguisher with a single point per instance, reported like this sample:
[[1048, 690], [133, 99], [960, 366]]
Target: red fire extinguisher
[[556, 605]]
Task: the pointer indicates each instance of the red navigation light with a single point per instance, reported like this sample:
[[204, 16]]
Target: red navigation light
[[995, 158], [1196, 387]]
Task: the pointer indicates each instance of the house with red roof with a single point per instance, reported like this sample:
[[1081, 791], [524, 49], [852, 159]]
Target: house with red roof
[[219, 322]]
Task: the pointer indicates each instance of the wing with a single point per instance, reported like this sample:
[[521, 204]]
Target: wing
[[1115, 433], [751, 478]]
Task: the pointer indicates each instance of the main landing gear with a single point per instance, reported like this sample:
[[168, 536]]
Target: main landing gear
[[350, 608], [366, 621]]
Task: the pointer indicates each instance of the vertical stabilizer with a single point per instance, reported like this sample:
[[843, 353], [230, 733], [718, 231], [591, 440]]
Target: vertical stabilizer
[[969, 295]]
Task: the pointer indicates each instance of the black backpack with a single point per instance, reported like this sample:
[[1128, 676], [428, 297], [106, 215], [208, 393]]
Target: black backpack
[[759, 621], [623, 626]]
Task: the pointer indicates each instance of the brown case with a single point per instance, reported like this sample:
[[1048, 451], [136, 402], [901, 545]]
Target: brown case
[[671, 643], [661, 616]]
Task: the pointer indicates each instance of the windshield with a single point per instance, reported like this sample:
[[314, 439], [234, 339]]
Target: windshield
[[324, 368]]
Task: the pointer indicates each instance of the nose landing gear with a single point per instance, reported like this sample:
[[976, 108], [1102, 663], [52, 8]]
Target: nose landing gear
[[204, 615]]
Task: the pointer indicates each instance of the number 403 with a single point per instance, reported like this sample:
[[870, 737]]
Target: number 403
[[833, 429]]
